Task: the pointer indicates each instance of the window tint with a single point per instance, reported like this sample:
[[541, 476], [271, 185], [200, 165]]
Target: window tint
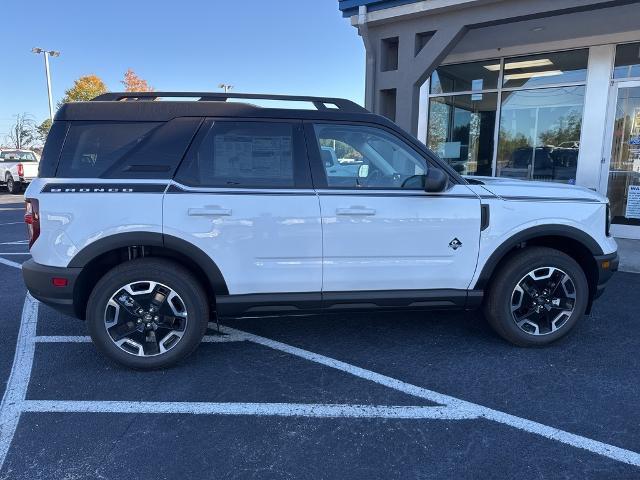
[[52, 149], [90, 149], [368, 157], [627, 64], [241, 154], [546, 69], [466, 77]]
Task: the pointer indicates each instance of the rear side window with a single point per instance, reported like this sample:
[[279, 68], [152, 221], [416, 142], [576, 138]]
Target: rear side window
[[92, 148], [52, 148], [246, 154]]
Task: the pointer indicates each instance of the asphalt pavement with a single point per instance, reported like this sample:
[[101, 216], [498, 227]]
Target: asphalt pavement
[[393, 395]]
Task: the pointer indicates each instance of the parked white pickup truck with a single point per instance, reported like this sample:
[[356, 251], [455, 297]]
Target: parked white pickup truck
[[17, 169]]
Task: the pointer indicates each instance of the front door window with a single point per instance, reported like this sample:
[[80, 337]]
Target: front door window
[[624, 169]]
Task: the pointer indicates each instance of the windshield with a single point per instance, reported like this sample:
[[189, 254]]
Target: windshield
[[10, 156]]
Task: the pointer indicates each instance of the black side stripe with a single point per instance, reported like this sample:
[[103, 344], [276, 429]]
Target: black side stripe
[[550, 199], [176, 189], [104, 188]]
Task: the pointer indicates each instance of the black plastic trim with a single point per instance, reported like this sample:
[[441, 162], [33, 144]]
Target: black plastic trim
[[38, 279], [178, 189], [604, 275], [309, 302], [529, 234], [550, 199], [485, 216], [114, 242], [266, 303]]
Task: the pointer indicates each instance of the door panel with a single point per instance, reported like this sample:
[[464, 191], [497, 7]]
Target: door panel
[[243, 195], [262, 242], [381, 230], [402, 242]]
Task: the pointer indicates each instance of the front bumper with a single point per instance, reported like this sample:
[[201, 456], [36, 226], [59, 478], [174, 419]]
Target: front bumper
[[607, 265], [39, 281]]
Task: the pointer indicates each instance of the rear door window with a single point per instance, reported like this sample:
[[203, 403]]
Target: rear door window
[[238, 154]]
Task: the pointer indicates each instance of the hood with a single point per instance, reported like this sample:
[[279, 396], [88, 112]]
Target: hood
[[513, 189]]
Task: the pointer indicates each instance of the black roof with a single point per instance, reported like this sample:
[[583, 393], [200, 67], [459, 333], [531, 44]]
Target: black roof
[[140, 106]]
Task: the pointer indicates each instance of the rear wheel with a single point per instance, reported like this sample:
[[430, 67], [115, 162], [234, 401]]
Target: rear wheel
[[13, 187], [537, 297], [147, 313]]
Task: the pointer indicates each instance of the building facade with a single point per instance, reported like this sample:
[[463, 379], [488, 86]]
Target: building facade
[[533, 89]]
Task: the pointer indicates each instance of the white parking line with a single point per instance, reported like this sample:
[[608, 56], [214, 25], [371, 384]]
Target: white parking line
[[12, 223], [16, 389], [15, 242], [471, 409], [15, 253], [9, 263], [260, 409]]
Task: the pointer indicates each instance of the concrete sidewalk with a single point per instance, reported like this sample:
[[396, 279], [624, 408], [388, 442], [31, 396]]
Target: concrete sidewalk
[[629, 251]]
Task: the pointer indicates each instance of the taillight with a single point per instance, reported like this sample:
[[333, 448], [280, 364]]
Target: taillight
[[32, 219], [20, 170]]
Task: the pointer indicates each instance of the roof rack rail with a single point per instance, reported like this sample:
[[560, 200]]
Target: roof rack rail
[[321, 103]]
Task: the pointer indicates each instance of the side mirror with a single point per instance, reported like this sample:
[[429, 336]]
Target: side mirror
[[435, 180]]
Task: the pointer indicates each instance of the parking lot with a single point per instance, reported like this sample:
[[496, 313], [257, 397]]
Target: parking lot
[[411, 395]]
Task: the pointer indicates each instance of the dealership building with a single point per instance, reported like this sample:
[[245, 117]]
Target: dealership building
[[543, 90]]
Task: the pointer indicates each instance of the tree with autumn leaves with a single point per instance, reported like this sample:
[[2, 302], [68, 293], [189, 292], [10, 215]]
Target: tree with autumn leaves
[[133, 83]]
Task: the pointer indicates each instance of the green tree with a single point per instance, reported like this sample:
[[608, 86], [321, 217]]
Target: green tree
[[84, 89], [42, 130]]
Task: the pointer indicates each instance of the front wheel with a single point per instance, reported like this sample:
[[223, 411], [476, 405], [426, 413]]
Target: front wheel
[[13, 187], [537, 297], [147, 313]]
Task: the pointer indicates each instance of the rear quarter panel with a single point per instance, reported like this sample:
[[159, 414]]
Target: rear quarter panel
[[71, 220]]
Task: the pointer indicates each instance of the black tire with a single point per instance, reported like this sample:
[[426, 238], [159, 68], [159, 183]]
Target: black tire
[[158, 270], [499, 300], [13, 187]]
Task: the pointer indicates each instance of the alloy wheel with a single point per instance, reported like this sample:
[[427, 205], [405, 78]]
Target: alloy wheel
[[543, 301], [145, 318]]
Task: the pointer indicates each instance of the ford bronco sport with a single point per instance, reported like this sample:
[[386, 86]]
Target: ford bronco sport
[[149, 218]]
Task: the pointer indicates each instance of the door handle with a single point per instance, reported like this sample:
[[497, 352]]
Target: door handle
[[357, 210], [209, 212]]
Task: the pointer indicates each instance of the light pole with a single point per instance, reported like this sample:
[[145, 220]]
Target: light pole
[[46, 53], [226, 87]]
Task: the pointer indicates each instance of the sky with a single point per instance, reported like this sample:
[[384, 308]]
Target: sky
[[301, 47]]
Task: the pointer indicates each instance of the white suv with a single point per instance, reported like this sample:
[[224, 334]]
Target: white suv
[[151, 217]]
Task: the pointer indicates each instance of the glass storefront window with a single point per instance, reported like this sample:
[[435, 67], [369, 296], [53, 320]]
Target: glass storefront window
[[546, 69], [624, 170], [466, 77], [540, 134], [461, 130], [627, 63]]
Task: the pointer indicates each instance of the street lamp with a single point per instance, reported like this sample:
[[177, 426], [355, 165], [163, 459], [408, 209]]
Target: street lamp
[[46, 54], [226, 87]]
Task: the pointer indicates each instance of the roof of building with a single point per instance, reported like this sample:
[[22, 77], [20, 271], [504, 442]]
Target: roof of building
[[350, 7]]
